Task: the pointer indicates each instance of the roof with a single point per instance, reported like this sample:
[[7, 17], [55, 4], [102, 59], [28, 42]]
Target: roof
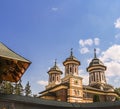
[[97, 89], [38, 103], [71, 58], [8, 53], [12, 65], [51, 88], [55, 68], [95, 61]]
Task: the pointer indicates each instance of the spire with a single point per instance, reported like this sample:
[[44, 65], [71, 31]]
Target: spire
[[95, 53], [55, 62], [71, 51]]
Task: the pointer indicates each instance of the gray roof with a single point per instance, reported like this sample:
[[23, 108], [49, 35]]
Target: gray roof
[[8, 53], [38, 103]]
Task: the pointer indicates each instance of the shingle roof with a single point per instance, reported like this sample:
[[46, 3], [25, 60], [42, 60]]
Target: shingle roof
[[8, 53]]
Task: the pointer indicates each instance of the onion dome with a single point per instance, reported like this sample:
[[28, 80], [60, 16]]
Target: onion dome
[[55, 69], [72, 59], [96, 62]]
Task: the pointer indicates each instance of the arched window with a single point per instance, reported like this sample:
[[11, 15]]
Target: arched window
[[70, 69], [53, 78], [57, 78]]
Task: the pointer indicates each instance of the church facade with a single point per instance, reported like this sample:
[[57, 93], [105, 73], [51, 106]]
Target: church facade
[[71, 89]]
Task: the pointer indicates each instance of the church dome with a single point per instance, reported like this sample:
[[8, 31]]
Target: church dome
[[96, 62], [71, 58], [55, 68]]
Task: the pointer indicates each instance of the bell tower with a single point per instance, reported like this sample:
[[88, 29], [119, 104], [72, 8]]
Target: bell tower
[[72, 79], [54, 76], [96, 71], [71, 65]]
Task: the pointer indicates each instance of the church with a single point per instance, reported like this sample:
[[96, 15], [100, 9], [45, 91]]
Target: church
[[71, 89]]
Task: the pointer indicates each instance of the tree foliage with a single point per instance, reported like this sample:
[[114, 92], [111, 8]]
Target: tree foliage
[[117, 99], [15, 88], [18, 89], [6, 87], [27, 89], [117, 90]]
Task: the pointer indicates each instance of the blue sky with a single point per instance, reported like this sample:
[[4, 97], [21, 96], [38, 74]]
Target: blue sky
[[45, 30]]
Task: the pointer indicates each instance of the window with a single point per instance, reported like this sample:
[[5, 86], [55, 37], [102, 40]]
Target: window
[[77, 92], [76, 82], [53, 78], [70, 69], [57, 78]]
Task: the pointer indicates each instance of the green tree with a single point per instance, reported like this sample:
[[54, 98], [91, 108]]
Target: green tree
[[117, 90], [117, 99], [18, 89], [96, 98], [6, 87], [27, 89]]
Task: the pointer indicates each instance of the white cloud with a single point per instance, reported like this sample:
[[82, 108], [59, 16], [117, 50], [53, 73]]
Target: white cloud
[[84, 50], [54, 9], [42, 82], [117, 23], [112, 54], [96, 41], [85, 42], [111, 58], [113, 69], [84, 76], [81, 42], [89, 42]]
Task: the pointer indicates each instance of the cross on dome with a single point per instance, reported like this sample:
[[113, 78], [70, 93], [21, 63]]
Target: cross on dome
[[95, 53], [71, 51]]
